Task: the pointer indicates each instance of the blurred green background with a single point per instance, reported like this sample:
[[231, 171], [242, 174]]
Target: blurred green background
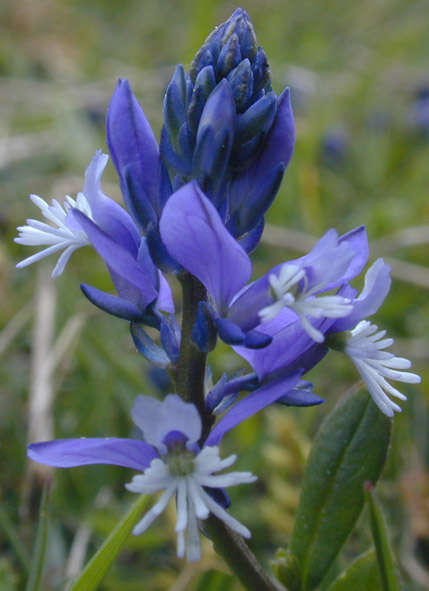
[[359, 74]]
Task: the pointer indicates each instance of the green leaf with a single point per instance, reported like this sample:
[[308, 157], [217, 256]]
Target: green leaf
[[37, 564], [349, 449], [384, 552], [362, 574], [100, 563]]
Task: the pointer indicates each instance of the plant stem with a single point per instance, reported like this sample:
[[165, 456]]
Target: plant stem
[[189, 378], [238, 556]]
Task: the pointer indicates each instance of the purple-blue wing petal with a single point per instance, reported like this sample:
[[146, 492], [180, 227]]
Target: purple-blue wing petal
[[196, 237], [118, 259], [68, 453], [376, 288], [135, 153], [250, 405]]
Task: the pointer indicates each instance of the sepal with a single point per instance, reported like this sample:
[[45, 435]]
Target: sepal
[[204, 333], [170, 337], [147, 347], [115, 305]]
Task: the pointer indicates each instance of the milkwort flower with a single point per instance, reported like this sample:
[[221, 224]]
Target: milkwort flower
[[171, 461], [95, 219], [292, 349], [193, 230]]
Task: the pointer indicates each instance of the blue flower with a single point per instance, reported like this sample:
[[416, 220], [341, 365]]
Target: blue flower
[[193, 230], [171, 461]]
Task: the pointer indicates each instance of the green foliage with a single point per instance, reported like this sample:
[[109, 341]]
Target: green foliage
[[100, 563], [34, 582], [349, 449], [383, 550], [362, 574]]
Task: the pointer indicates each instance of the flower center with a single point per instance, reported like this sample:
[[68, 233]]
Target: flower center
[[180, 461]]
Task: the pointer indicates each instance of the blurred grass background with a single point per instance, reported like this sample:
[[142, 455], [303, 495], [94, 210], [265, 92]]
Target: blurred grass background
[[360, 81]]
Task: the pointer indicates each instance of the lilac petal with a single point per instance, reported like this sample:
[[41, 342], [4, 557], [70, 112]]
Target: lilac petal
[[376, 288], [250, 405], [108, 214], [112, 304], [68, 453], [196, 237], [288, 349], [157, 418], [165, 301], [134, 151], [358, 240], [118, 259]]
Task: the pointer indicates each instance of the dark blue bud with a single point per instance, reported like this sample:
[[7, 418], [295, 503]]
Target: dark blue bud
[[175, 104], [202, 59], [204, 84], [241, 81], [215, 133], [258, 118], [147, 347], [204, 333], [229, 57], [261, 72], [170, 157], [170, 337]]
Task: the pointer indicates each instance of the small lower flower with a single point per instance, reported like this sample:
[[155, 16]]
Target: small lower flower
[[182, 473], [171, 461], [364, 346]]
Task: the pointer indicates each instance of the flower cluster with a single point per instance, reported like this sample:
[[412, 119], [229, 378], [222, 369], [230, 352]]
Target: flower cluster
[[195, 208]]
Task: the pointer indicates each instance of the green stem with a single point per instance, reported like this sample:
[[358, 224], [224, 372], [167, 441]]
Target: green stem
[[191, 368], [189, 378], [238, 556]]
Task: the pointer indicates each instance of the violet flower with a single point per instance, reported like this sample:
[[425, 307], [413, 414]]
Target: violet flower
[[193, 230], [171, 461], [95, 219], [292, 349]]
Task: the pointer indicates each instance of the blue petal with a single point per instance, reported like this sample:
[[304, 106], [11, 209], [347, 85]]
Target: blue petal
[[118, 259], [112, 304], [301, 395], [147, 346], [134, 150], [250, 405], [68, 453], [196, 237]]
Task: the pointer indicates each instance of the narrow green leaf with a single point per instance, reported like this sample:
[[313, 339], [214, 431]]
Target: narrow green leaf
[[362, 574], [349, 449], [38, 561], [97, 567], [10, 531], [384, 552]]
